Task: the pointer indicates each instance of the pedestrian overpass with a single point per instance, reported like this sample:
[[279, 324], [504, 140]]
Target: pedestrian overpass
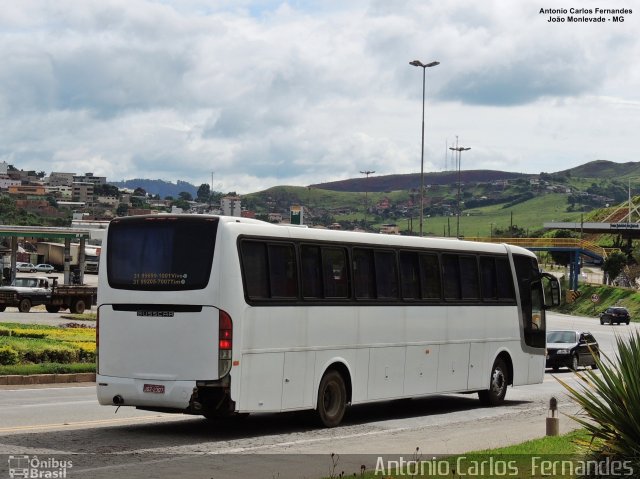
[[574, 246]]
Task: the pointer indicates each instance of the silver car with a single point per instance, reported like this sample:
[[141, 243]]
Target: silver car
[[45, 268], [25, 267]]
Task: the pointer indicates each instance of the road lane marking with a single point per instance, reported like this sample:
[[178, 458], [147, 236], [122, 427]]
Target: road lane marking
[[96, 422], [41, 404]]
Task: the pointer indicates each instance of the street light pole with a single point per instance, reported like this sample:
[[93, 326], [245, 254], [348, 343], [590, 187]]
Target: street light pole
[[459, 149], [418, 63]]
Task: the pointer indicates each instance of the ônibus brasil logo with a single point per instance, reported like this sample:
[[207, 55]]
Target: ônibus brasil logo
[[34, 467]]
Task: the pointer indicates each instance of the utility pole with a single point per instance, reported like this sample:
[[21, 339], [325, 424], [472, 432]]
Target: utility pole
[[459, 149], [366, 190]]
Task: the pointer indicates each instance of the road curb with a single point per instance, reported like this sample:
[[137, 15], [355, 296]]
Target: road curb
[[21, 380]]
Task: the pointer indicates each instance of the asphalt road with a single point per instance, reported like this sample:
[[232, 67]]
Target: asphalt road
[[67, 422]]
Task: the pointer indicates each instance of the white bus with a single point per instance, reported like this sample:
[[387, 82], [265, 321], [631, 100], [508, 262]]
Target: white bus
[[217, 315]]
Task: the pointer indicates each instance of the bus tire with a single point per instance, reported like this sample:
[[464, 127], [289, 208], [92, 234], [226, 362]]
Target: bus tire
[[52, 308], [494, 396], [25, 305], [78, 306], [332, 398]]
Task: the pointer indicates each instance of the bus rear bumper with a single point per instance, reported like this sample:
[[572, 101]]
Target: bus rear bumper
[[145, 393]]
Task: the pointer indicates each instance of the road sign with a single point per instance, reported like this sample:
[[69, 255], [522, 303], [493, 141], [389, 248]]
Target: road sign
[[595, 298]]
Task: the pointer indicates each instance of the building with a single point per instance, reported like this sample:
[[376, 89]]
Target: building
[[89, 178], [64, 192], [82, 192], [6, 182], [390, 229], [30, 190], [231, 206], [60, 179]]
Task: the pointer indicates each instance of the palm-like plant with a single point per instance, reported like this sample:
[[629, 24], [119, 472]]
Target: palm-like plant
[[610, 403]]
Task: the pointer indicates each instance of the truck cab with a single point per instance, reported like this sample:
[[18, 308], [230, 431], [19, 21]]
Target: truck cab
[[25, 293]]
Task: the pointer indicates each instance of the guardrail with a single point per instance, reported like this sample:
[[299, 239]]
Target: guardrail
[[550, 243]]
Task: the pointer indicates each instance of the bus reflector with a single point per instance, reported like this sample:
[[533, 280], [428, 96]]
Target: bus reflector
[[225, 343]]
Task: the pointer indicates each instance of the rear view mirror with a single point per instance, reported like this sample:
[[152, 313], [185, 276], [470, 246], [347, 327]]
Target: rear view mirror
[[552, 284]]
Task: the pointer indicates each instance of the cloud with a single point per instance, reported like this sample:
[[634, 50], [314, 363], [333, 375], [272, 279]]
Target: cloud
[[270, 92]]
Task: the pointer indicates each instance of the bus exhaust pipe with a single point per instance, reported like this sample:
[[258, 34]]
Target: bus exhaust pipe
[[118, 400]]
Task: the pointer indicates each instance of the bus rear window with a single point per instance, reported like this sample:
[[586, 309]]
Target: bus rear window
[[160, 253]]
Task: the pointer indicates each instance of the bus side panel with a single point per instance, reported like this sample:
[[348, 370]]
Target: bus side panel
[[261, 388], [536, 368]]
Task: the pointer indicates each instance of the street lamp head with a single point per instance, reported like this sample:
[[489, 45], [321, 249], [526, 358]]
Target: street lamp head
[[418, 63], [465, 149]]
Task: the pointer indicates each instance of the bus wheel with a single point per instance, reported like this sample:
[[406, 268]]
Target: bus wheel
[[52, 309], [25, 305], [332, 399], [78, 306], [497, 386]]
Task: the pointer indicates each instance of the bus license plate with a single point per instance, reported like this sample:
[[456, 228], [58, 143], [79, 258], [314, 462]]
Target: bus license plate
[[153, 388]]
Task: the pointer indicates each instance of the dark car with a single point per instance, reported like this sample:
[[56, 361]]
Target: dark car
[[615, 314], [571, 349]]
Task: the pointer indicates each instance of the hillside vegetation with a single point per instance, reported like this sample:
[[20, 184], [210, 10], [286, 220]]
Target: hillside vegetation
[[609, 296], [491, 202]]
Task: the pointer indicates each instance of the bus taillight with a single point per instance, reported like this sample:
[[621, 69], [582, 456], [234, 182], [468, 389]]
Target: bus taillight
[[98, 341], [225, 343]]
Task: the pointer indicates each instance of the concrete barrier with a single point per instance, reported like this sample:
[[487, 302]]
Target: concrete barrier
[[19, 380]]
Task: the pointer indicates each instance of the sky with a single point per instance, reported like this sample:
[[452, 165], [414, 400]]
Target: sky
[[245, 95]]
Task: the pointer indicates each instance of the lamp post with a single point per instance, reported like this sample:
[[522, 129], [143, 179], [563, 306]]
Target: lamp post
[[418, 63], [459, 149]]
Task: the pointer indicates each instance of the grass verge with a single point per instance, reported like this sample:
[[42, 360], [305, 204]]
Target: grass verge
[[537, 458], [47, 368]]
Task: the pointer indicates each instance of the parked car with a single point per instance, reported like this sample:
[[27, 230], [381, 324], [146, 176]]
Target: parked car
[[45, 268], [25, 268], [615, 314], [571, 349]]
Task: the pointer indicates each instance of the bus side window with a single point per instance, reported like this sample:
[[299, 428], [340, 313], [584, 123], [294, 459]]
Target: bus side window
[[409, 275], [334, 271], [282, 271], [469, 283], [311, 271], [430, 281], [255, 270], [363, 273], [451, 276], [504, 278], [386, 275]]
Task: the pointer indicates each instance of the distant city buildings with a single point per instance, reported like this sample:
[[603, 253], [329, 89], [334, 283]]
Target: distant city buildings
[[231, 206]]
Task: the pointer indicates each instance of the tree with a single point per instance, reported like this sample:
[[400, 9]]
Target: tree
[[614, 264], [106, 190], [122, 209], [182, 204], [185, 196], [560, 257], [204, 193], [139, 192]]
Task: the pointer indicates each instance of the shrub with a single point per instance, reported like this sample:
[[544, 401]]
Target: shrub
[[610, 403], [8, 356]]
